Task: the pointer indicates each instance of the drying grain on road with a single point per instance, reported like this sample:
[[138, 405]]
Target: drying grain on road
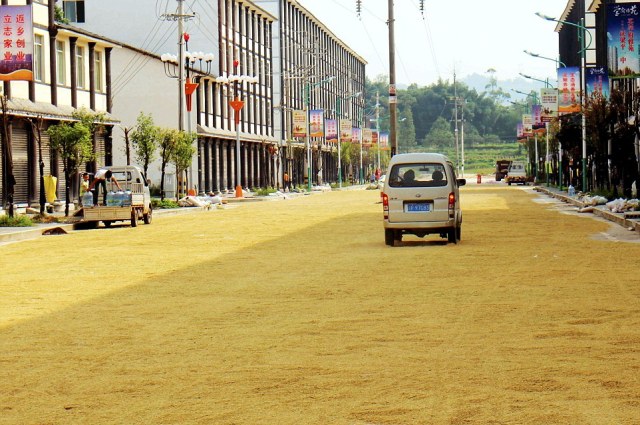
[[295, 312]]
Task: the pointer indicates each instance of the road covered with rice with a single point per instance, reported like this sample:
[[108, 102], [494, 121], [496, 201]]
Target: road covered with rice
[[295, 312]]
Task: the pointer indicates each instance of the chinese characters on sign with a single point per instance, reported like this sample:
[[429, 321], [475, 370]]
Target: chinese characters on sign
[[355, 135], [316, 123], [623, 59], [549, 103], [16, 62], [367, 136], [597, 82], [527, 124], [345, 130], [299, 124], [331, 131], [384, 141], [568, 90]]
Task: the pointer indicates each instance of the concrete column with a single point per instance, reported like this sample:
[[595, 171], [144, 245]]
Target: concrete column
[[216, 165], [224, 166], [207, 187]]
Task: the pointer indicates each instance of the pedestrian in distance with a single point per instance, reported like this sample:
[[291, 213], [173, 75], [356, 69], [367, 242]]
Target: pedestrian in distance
[[100, 179], [84, 184], [287, 182]]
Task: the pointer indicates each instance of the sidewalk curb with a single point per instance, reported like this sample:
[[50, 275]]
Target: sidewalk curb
[[626, 220]]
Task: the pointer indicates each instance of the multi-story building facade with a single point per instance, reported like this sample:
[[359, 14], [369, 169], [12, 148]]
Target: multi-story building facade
[[238, 33], [71, 70], [281, 44], [313, 69]]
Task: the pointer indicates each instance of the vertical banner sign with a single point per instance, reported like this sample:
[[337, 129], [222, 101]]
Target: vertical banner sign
[[597, 81], [623, 59], [345, 130], [520, 131], [316, 123], [367, 136], [568, 90], [374, 137], [536, 112], [384, 141], [549, 100], [527, 125], [355, 135], [16, 62], [331, 131], [299, 124]]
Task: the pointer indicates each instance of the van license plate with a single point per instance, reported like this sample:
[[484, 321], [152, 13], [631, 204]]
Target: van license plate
[[417, 207]]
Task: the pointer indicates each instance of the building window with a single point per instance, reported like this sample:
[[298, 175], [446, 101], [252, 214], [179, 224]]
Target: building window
[[38, 57], [61, 74], [97, 63], [73, 10], [80, 67]]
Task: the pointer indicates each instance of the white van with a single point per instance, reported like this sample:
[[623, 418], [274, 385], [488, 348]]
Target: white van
[[421, 196]]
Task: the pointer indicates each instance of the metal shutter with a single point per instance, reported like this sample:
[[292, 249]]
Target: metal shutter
[[19, 143]]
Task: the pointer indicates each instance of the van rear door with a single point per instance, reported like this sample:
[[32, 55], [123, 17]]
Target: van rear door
[[418, 192]]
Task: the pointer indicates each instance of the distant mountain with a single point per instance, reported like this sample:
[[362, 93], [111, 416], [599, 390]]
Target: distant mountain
[[479, 83]]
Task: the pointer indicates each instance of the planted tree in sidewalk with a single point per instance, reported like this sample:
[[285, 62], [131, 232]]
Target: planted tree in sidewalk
[[183, 154], [144, 139], [626, 128], [72, 141], [167, 140], [599, 118], [94, 121]]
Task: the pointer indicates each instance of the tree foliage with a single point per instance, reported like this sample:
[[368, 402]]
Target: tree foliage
[[72, 142], [144, 139]]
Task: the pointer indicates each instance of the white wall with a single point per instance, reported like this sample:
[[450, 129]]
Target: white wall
[[144, 88], [139, 23]]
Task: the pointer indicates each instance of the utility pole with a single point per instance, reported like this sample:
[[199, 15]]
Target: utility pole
[[455, 99], [462, 138], [181, 17], [392, 83], [378, 125]]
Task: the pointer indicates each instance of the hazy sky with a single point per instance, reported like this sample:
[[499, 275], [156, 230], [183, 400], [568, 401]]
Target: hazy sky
[[469, 36]]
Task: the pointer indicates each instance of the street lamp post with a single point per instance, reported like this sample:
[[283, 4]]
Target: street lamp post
[[558, 63], [583, 49], [546, 82], [534, 95], [237, 104], [536, 55], [307, 101], [174, 67], [339, 100]]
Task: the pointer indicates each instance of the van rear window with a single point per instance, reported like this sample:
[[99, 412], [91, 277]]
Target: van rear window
[[417, 175]]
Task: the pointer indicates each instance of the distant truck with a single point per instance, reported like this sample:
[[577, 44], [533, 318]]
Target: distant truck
[[133, 204], [502, 168], [517, 173]]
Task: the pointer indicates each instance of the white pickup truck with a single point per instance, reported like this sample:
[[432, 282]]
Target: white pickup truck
[[131, 180], [517, 173]]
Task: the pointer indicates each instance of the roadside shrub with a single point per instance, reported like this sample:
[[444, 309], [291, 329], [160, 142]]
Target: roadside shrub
[[15, 221], [154, 190], [264, 191], [44, 218], [605, 194], [167, 204]]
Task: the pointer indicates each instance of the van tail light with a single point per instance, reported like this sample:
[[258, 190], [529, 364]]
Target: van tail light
[[452, 204], [385, 204]]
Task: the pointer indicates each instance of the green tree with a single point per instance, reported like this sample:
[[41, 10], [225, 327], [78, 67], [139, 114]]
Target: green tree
[[74, 145], [144, 139], [440, 135], [183, 153], [167, 140]]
